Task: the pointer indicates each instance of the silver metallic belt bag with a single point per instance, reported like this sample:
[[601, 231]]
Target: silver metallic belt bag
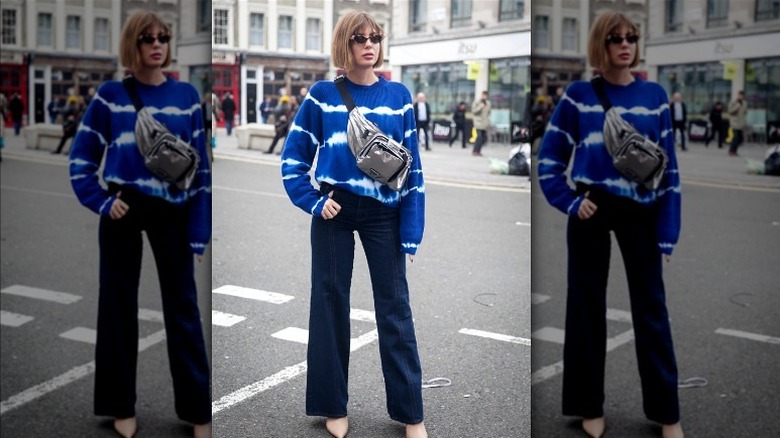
[[377, 155], [165, 155], [633, 155]]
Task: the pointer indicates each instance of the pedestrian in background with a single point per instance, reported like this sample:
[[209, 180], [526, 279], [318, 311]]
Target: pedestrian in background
[[54, 110], [281, 127], [3, 116], [481, 112], [177, 224], [265, 109], [646, 224], [459, 118], [16, 107], [422, 115], [737, 120], [679, 118], [71, 117], [389, 224], [718, 126], [228, 111]]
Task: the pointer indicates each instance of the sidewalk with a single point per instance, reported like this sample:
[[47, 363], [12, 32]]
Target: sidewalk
[[457, 166], [441, 164]]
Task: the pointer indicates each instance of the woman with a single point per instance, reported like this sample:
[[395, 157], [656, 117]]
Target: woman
[[177, 224], [716, 120], [459, 118], [389, 224], [646, 224]]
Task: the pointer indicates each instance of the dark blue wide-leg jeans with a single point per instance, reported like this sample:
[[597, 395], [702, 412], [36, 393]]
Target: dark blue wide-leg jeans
[[586, 328], [333, 248], [116, 354]]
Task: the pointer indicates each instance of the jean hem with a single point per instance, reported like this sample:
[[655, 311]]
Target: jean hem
[[323, 414]]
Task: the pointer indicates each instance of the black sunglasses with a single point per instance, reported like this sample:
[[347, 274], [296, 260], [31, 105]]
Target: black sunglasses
[[149, 39], [618, 39], [361, 39]]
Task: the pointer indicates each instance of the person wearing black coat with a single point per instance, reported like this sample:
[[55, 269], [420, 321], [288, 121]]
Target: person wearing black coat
[[718, 127], [679, 117], [422, 116], [228, 111], [16, 107], [459, 117]]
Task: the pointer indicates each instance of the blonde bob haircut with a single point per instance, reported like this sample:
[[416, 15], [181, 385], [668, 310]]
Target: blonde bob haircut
[[348, 25], [605, 24], [135, 26]]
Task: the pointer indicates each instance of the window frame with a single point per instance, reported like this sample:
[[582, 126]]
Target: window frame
[[38, 30], [506, 14], [70, 32], [291, 31], [464, 10], [255, 31]]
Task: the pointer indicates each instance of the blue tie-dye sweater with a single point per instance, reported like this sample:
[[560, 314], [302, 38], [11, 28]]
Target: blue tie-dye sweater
[[320, 128], [577, 126], [108, 127]]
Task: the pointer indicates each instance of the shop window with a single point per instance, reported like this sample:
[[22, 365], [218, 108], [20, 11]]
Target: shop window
[[461, 13], [220, 34], [508, 79], [418, 11], [674, 15], [102, 35], [767, 10], [313, 34], [717, 13], [762, 92], [541, 32], [256, 29], [511, 10], [45, 30], [10, 28], [701, 85], [444, 85], [73, 32]]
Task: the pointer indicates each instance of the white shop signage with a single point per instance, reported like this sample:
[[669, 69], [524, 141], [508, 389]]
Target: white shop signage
[[506, 45], [720, 49]]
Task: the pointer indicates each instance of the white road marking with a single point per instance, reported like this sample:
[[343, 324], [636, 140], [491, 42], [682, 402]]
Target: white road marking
[[553, 370], [478, 186], [150, 315], [68, 377], [750, 336], [282, 376], [362, 315], [619, 315], [40, 192], [11, 319], [523, 224], [549, 334], [250, 192], [41, 294], [253, 294], [293, 334], [225, 319], [81, 334], [496, 336], [539, 298]]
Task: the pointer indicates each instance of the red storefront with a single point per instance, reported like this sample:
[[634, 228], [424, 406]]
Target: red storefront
[[225, 68], [13, 79]]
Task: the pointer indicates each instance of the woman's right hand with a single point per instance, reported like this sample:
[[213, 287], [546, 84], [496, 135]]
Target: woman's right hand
[[587, 208], [331, 208], [118, 208]]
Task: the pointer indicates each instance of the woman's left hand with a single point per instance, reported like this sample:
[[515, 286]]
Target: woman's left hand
[[199, 258], [411, 258], [667, 258]]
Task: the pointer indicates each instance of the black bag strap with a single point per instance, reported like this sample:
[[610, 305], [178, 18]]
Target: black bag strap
[[129, 83], [601, 92], [341, 85]]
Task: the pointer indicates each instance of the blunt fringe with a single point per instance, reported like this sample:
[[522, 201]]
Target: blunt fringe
[[606, 23], [137, 24], [349, 24]]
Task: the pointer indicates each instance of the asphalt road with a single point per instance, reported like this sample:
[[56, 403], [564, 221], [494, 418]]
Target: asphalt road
[[472, 272], [49, 244], [723, 298]]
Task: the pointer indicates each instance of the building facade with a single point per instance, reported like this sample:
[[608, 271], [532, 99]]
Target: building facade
[[54, 48], [269, 48], [710, 50], [452, 50]]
